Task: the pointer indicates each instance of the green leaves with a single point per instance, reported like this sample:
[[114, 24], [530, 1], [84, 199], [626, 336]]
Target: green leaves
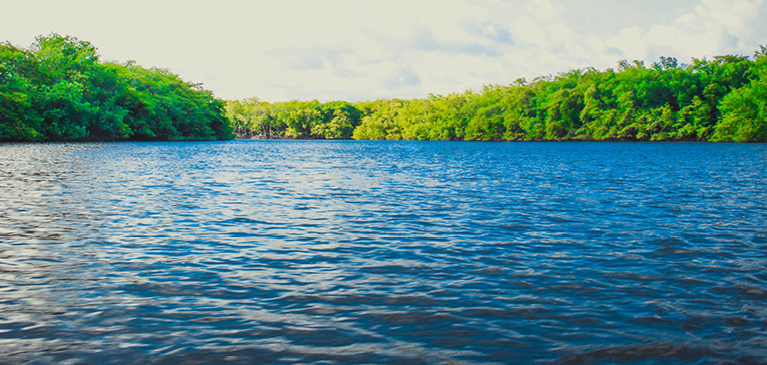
[[744, 110], [252, 118], [722, 99], [59, 90]]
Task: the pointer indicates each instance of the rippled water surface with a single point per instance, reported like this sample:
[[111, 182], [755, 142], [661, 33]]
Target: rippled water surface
[[383, 252]]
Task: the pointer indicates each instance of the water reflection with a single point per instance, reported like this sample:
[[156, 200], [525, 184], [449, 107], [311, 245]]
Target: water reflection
[[382, 252]]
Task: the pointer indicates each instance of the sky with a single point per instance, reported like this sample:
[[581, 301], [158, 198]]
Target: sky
[[358, 50]]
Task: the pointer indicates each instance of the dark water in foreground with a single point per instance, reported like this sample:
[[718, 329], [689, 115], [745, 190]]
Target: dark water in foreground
[[383, 252]]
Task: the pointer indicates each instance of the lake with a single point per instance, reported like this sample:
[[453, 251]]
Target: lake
[[340, 252]]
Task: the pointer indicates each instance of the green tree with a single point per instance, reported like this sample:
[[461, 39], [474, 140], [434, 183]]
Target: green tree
[[59, 90], [744, 110]]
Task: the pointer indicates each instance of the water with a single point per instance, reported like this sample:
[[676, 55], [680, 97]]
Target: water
[[383, 252]]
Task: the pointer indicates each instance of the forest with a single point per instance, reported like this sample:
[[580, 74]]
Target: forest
[[60, 90], [723, 99]]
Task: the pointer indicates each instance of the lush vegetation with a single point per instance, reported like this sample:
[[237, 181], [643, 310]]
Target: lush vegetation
[[722, 99], [293, 119], [59, 90]]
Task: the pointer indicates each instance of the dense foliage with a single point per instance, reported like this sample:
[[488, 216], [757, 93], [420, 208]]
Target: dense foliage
[[59, 90], [293, 119], [723, 99]]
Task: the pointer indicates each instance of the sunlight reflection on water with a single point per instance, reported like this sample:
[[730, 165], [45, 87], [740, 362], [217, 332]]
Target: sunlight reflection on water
[[383, 252]]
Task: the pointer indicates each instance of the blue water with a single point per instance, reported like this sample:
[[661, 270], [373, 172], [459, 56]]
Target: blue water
[[383, 252]]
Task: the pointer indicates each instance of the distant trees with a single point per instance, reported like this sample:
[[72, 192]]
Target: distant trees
[[722, 99], [252, 118], [59, 90]]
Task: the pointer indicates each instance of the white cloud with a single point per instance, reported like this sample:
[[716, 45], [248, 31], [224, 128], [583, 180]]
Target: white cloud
[[711, 28], [542, 9], [530, 33], [366, 49]]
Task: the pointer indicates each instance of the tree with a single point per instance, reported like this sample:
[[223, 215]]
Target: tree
[[744, 110], [59, 90]]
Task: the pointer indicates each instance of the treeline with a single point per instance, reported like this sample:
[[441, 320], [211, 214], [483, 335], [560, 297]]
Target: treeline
[[59, 90], [723, 99], [252, 118]]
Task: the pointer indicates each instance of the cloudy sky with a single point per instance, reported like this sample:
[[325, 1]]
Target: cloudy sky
[[363, 49]]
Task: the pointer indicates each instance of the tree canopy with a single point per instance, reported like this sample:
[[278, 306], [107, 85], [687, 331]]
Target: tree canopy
[[60, 90], [721, 99]]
